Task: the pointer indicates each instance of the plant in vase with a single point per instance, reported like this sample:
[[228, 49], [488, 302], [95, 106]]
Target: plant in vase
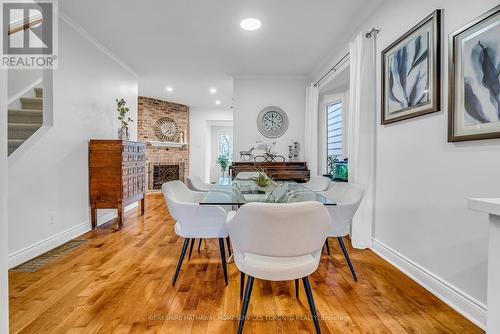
[[262, 180], [223, 162], [124, 119]]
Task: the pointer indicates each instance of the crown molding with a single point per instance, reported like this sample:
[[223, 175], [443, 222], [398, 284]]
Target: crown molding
[[271, 77], [96, 42]]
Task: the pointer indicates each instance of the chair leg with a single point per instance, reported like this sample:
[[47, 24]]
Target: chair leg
[[242, 284], [191, 248], [223, 258], [228, 246], [199, 244], [310, 300], [297, 288], [346, 254], [181, 258], [244, 308], [327, 247]]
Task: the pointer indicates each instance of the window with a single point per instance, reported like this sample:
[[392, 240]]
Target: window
[[226, 145], [334, 130]]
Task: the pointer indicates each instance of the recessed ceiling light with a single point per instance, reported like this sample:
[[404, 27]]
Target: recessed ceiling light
[[213, 90], [217, 102], [170, 89], [250, 24]]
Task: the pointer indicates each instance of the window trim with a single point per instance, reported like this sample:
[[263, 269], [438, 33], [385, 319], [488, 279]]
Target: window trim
[[325, 101], [328, 105]]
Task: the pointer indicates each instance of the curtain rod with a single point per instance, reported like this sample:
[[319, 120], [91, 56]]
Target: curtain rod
[[369, 34], [333, 69]]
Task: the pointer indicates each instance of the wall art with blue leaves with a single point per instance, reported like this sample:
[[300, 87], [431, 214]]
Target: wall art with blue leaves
[[411, 72], [475, 79]]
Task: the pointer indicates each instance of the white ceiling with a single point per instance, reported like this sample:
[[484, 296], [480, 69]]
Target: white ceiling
[[192, 45]]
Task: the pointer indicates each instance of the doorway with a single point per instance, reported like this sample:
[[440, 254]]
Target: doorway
[[221, 143]]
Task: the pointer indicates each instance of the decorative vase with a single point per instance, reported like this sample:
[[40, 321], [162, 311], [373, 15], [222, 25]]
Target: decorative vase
[[123, 133]]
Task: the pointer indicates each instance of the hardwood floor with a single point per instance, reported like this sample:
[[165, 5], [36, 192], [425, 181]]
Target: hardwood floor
[[120, 282]]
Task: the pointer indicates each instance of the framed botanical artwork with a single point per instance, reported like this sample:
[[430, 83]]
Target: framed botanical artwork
[[411, 72], [474, 84]]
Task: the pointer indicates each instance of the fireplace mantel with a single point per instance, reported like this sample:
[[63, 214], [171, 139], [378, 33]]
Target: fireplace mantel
[[166, 144]]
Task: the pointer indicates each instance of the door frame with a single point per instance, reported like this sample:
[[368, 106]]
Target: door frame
[[4, 286]]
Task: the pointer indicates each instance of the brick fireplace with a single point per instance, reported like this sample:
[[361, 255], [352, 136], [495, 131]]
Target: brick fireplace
[[159, 173], [164, 163]]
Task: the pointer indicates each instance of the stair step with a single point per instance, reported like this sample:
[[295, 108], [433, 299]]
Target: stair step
[[33, 103], [39, 92], [13, 144], [25, 116], [21, 131]]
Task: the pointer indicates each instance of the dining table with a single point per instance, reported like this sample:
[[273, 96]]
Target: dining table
[[238, 192], [235, 193]]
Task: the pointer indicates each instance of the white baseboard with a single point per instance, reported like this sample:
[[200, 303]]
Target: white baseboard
[[43, 246], [466, 305], [30, 252]]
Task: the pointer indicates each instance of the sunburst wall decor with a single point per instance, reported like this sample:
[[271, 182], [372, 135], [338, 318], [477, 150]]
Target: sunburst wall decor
[[166, 129]]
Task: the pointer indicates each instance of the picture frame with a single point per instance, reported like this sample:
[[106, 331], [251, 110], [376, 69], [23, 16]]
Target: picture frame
[[411, 72], [474, 68]]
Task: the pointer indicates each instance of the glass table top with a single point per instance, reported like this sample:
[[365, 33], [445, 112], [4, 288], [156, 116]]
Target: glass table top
[[239, 192]]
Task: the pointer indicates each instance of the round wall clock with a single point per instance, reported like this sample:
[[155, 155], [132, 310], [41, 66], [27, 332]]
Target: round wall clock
[[272, 122], [166, 129]]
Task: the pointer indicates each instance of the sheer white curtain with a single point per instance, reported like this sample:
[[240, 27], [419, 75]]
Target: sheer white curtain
[[361, 133], [311, 129]]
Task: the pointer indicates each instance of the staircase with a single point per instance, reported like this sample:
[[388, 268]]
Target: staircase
[[24, 122]]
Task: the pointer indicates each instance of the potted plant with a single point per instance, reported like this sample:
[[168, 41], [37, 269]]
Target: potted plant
[[262, 180], [223, 162], [124, 119]]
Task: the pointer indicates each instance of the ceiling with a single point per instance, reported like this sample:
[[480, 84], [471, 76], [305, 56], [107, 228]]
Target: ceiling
[[193, 45]]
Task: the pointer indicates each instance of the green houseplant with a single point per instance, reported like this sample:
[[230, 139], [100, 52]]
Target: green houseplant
[[262, 180], [223, 162], [124, 119]]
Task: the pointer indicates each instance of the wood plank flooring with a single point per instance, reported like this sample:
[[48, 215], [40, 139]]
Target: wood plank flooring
[[120, 282]]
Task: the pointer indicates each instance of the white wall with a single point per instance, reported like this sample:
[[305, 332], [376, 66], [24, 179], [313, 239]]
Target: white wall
[[51, 176], [423, 181], [200, 121], [251, 95]]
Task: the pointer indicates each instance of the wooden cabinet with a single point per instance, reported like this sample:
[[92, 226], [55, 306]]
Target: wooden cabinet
[[117, 172], [293, 170]]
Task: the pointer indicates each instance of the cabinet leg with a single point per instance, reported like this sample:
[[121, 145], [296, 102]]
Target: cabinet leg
[[143, 205], [93, 216], [121, 211]]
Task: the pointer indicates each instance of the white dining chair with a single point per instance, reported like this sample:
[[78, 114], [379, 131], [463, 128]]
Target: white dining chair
[[195, 183], [348, 197], [278, 242], [193, 220], [318, 183]]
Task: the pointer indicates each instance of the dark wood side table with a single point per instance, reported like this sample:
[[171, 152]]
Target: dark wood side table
[[117, 176], [291, 170]]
